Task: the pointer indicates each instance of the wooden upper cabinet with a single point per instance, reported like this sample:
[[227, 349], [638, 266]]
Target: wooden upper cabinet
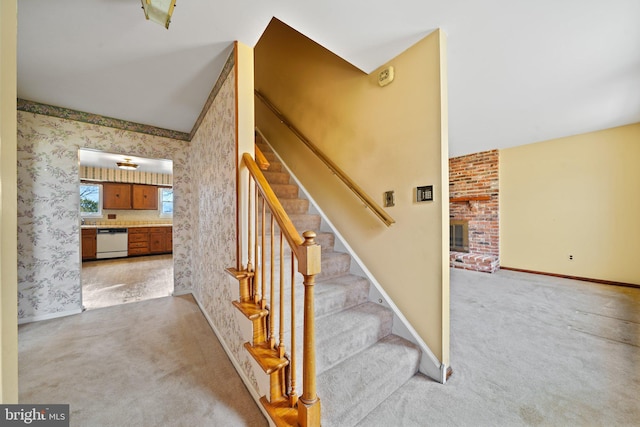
[[145, 196], [116, 195]]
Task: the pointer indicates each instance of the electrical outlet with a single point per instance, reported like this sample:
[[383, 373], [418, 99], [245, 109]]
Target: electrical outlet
[[570, 257], [389, 199]]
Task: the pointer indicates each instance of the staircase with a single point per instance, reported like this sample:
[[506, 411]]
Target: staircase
[[359, 362]]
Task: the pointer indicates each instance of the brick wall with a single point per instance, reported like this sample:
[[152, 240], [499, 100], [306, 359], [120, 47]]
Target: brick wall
[[472, 176]]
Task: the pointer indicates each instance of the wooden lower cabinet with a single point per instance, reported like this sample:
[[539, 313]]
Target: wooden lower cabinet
[[89, 243], [150, 240], [138, 241]]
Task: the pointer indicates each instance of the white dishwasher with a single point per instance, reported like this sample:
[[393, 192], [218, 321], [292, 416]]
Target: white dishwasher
[[111, 243]]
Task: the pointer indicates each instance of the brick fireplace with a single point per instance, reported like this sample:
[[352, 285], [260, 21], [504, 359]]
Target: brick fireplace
[[473, 210]]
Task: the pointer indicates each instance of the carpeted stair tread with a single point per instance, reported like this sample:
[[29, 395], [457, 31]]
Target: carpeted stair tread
[[340, 293], [301, 221], [352, 389], [275, 166], [334, 264], [342, 334], [349, 331], [277, 177], [295, 206], [331, 296], [285, 191], [400, 407], [270, 155]]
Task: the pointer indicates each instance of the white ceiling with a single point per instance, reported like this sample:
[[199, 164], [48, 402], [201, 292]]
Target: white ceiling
[[101, 159], [518, 71]]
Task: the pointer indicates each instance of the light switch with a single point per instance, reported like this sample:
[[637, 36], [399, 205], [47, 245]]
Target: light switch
[[388, 199]]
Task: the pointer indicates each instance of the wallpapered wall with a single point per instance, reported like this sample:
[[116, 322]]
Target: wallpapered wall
[[48, 216], [119, 175], [213, 169]]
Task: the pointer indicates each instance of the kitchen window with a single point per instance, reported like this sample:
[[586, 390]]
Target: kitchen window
[[165, 197], [90, 200]]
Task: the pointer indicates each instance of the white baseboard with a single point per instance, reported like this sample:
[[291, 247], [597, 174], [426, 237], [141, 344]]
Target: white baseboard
[[234, 361], [185, 292], [49, 316]]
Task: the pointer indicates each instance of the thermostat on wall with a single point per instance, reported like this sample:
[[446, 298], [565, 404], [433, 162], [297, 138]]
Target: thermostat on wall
[[424, 194], [385, 76]]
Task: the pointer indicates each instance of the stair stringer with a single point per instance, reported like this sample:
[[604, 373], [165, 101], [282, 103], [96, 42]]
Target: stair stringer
[[429, 363]]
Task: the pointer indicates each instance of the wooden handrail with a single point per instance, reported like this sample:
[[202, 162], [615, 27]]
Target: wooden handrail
[[265, 308], [355, 188], [290, 233]]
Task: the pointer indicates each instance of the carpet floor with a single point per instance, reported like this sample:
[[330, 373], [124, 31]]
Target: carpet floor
[[526, 350], [530, 350], [149, 363]]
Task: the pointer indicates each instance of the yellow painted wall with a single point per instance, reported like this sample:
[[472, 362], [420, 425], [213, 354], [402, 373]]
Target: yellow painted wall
[[8, 205], [575, 196], [384, 138]]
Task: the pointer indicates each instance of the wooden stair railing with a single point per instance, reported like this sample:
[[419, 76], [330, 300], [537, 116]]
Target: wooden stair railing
[[263, 301], [355, 188]]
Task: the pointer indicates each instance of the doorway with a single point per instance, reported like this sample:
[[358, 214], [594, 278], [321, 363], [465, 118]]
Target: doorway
[[133, 206]]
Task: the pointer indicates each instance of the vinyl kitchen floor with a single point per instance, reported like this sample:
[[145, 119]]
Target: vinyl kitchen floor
[[111, 282]]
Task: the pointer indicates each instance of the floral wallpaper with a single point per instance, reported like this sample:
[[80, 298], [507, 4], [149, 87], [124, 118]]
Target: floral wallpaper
[[118, 175], [48, 216], [95, 119], [213, 168], [204, 221]]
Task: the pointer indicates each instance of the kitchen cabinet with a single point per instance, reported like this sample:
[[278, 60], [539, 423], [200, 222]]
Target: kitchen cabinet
[[145, 196], [150, 240], [88, 243], [138, 241], [160, 240], [116, 195]]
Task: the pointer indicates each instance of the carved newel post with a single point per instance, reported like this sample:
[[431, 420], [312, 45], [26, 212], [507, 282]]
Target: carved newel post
[[309, 266]]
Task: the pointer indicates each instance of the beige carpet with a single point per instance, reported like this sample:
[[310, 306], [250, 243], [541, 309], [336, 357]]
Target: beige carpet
[[526, 350], [530, 350], [150, 363]]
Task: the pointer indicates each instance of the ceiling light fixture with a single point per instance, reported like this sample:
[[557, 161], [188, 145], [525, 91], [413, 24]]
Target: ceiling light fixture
[[159, 11], [127, 165]]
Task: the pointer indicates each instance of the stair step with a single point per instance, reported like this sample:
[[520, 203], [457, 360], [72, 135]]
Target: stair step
[[295, 206], [266, 357], [350, 331], [285, 191], [331, 296], [275, 167], [334, 264], [333, 267], [355, 387], [302, 223], [340, 293], [276, 177], [341, 335], [270, 155], [264, 147]]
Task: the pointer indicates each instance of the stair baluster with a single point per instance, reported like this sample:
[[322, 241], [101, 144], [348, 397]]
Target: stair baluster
[[259, 305]]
